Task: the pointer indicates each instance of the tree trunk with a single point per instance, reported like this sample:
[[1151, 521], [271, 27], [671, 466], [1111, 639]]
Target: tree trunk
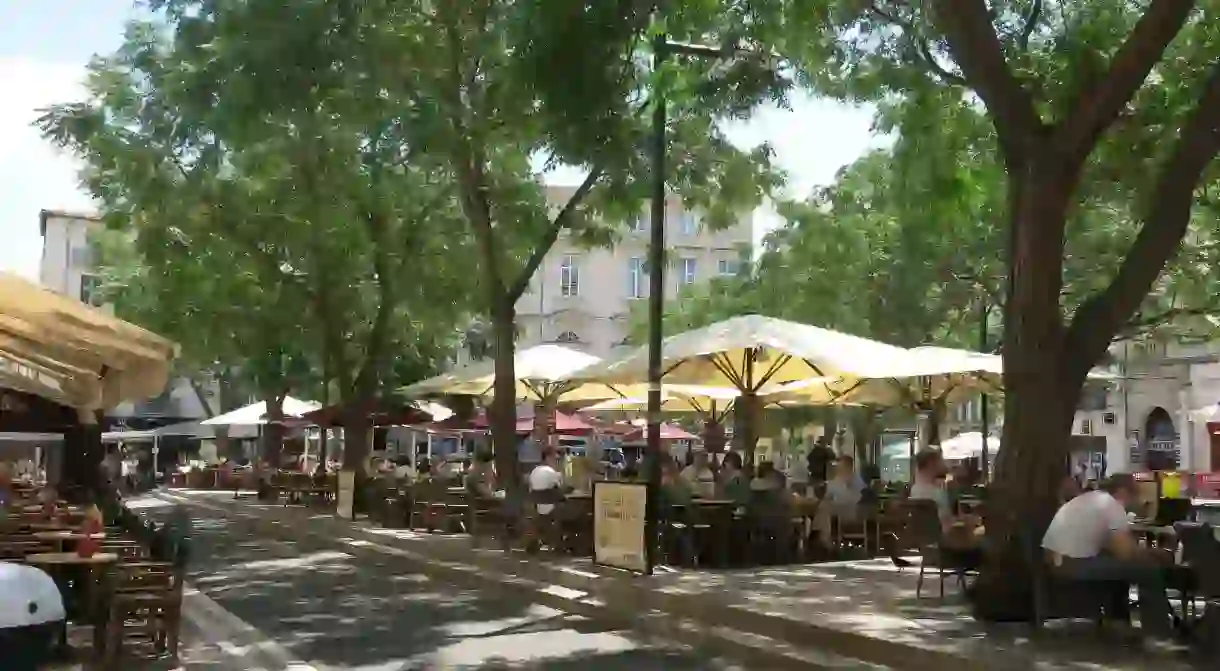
[[503, 413], [746, 415], [1042, 379], [273, 433], [357, 434]]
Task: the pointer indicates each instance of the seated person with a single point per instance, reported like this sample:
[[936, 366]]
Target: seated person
[[547, 478], [480, 479], [1090, 539], [961, 531], [403, 470], [699, 475], [675, 489], [732, 483], [767, 478], [843, 491]]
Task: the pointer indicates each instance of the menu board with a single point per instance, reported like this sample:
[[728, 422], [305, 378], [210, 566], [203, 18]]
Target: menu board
[[618, 525]]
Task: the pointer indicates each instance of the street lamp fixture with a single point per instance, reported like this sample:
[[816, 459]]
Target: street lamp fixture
[[662, 49]]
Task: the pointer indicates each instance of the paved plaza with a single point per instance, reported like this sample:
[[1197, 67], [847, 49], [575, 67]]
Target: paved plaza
[[300, 602], [365, 597]]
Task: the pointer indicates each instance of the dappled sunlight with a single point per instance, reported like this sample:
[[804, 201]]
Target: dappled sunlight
[[371, 607]]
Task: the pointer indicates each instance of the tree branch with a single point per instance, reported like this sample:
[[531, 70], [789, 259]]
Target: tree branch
[[1141, 321], [374, 346], [1165, 225], [921, 47], [1100, 106], [560, 222], [1031, 22], [976, 50]]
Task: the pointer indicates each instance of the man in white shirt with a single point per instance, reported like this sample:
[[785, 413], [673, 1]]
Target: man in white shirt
[[546, 476], [699, 475], [1090, 540]]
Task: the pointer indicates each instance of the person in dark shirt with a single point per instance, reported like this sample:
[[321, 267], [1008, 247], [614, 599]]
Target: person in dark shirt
[[819, 460]]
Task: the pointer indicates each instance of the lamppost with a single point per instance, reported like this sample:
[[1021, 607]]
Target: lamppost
[[662, 49]]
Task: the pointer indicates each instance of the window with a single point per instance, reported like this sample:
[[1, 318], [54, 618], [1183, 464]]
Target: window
[[569, 277], [90, 289], [638, 224], [1086, 427], [727, 267], [636, 277], [690, 225], [80, 256], [688, 271]]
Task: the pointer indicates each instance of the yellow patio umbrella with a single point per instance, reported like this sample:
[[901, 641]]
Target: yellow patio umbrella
[[754, 354], [674, 398], [76, 354]]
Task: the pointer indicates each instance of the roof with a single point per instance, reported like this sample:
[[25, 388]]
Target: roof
[[43, 215]]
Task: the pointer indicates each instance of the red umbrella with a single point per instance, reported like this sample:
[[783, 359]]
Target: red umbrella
[[564, 423], [668, 432], [380, 413]]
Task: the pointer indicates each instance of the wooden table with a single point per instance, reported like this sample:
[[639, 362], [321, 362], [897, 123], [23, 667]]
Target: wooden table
[[71, 559], [63, 536], [95, 566]]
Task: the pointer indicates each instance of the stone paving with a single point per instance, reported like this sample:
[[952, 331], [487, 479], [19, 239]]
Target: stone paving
[[329, 606], [864, 610]]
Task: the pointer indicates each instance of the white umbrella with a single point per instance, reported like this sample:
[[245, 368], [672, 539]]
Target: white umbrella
[[967, 445], [543, 373], [253, 414]]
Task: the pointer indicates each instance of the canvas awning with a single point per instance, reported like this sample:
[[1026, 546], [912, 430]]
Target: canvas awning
[[74, 354]]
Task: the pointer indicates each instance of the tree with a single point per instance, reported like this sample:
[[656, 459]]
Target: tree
[[287, 162], [1098, 109], [487, 86]]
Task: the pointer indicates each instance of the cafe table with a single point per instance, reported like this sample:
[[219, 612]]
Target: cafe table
[[60, 564], [60, 537]]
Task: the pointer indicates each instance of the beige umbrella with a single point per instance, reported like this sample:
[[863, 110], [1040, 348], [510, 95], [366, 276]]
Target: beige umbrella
[[939, 373], [752, 353]]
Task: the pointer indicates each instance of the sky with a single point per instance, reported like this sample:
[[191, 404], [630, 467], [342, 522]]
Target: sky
[[45, 45]]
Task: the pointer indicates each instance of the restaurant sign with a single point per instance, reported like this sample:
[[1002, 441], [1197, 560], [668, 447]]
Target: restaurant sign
[[618, 525]]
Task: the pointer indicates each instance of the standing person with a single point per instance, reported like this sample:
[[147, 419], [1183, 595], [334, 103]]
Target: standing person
[[1090, 540], [547, 478], [818, 462]]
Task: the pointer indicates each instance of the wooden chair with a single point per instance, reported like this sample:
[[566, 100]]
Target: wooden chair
[[144, 614], [428, 507], [926, 533]]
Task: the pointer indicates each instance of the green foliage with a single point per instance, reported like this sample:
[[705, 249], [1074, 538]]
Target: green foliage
[[910, 238], [269, 197]]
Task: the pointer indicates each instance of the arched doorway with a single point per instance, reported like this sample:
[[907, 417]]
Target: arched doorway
[[1161, 441]]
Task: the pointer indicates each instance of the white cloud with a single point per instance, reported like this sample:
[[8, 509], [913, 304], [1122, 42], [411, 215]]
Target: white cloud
[[33, 174]]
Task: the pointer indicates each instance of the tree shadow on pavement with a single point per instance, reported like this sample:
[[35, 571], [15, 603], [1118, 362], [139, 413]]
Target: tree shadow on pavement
[[378, 612]]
